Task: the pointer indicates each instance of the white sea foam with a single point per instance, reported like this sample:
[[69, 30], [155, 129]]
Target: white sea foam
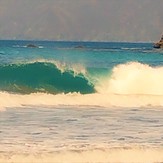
[[76, 68], [76, 99], [134, 78]]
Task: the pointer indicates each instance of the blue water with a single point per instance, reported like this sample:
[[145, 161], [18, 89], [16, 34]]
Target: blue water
[[80, 97]]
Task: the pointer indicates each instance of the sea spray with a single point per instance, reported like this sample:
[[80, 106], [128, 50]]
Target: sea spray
[[133, 78]]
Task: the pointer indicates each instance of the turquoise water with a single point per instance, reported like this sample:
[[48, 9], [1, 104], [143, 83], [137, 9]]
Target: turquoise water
[[57, 67], [80, 102]]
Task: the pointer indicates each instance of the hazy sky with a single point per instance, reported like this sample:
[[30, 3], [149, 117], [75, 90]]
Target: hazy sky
[[97, 20]]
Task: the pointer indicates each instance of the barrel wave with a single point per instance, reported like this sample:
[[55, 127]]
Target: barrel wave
[[44, 77]]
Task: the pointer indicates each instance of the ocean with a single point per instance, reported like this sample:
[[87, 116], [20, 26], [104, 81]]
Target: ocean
[[80, 102]]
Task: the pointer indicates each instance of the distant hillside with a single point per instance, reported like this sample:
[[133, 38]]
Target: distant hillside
[[109, 20]]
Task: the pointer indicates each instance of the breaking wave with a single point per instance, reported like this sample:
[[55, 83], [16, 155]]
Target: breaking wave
[[52, 84], [45, 77]]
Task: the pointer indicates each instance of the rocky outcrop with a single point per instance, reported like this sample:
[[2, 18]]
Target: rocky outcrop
[[31, 46], [159, 44]]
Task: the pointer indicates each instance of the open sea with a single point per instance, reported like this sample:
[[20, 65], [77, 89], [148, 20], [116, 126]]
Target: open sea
[[80, 102]]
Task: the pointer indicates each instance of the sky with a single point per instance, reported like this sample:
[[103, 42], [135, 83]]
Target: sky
[[86, 20]]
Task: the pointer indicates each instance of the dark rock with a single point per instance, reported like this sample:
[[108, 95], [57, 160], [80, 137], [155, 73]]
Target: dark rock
[[31, 46], [159, 44]]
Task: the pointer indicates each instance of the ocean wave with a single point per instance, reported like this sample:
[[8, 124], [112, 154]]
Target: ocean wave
[[53, 83], [26, 46], [42, 76]]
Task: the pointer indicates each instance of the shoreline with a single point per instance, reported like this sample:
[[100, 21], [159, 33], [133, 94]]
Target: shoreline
[[122, 155]]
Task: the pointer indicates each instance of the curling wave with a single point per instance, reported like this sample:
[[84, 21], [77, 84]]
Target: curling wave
[[42, 77]]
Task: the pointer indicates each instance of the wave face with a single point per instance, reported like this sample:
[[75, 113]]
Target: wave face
[[42, 77]]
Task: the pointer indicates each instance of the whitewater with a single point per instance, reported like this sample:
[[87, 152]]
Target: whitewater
[[80, 102]]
